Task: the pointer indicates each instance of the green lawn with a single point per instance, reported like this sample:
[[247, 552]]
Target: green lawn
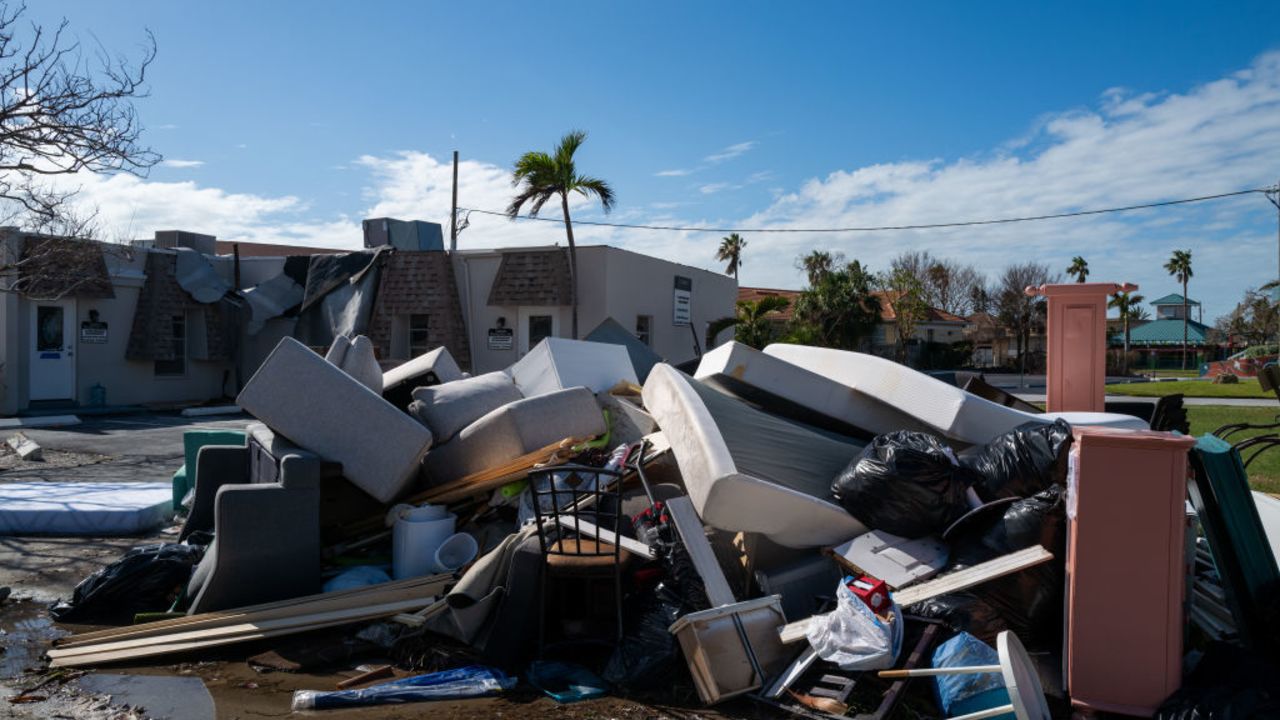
[[1264, 473], [1246, 388]]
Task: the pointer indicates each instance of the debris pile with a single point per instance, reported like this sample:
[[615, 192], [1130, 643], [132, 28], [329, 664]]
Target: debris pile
[[808, 528]]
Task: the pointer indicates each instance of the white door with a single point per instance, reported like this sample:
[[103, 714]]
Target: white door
[[536, 323], [53, 347]]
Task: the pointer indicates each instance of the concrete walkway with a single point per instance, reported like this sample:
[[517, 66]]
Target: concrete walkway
[[1233, 402]]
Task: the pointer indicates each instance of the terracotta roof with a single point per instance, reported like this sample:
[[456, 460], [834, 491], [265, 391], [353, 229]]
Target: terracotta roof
[[753, 293], [932, 314], [539, 277]]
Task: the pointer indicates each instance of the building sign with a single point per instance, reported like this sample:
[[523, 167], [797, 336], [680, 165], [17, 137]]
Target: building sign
[[93, 331], [682, 301], [501, 338]]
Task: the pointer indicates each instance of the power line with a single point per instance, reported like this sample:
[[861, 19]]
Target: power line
[[883, 228]]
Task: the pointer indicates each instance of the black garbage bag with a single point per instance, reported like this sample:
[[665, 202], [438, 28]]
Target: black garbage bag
[[147, 578], [649, 656], [1021, 462], [1228, 683], [1030, 601], [962, 612], [906, 483]]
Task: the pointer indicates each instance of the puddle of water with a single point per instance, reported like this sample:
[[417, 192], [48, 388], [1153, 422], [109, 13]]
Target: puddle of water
[[26, 632], [157, 696]]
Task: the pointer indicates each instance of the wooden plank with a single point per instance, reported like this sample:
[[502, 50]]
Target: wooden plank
[[489, 479], [953, 582], [704, 559], [583, 527], [387, 608], [430, 585]]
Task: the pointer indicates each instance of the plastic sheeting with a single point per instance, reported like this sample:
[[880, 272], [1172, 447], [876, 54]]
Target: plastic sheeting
[[338, 298], [271, 299]]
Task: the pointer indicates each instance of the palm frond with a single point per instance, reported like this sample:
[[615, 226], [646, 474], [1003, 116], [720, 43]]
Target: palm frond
[[589, 186], [528, 194], [569, 145], [543, 197], [717, 326], [534, 167]]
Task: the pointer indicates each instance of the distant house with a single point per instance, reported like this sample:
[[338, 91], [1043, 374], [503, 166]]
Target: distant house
[[1158, 342], [938, 326], [995, 345]]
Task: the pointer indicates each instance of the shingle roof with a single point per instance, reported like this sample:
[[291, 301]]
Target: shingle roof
[[1173, 299], [1166, 332], [538, 277]]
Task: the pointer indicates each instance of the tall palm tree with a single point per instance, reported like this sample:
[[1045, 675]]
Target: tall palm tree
[[540, 177], [1179, 266], [731, 247], [1079, 267], [1130, 307], [818, 264]]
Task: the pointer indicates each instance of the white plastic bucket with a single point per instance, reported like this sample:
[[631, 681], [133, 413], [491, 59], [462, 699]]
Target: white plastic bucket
[[457, 550], [415, 539]]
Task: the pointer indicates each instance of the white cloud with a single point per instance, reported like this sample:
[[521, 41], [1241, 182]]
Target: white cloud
[[680, 172], [730, 152], [714, 187], [176, 163], [1133, 147]]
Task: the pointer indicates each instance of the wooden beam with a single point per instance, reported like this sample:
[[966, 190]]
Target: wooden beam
[[694, 537], [591, 530], [556, 453], [952, 582]]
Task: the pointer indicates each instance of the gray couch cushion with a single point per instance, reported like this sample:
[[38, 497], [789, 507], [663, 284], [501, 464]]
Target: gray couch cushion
[[438, 361], [513, 430], [446, 409], [321, 408]]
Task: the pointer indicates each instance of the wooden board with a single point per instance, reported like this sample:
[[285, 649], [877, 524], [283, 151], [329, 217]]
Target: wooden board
[[704, 558], [478, 482], [388, 608], [583, 527], [953, 582], [427, 586]]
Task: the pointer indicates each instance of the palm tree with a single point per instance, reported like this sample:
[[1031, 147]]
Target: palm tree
[[1179, 266], [731, 247], [540, 177], [1130, 307], [752, 324], [818, 264], [1079, 267]]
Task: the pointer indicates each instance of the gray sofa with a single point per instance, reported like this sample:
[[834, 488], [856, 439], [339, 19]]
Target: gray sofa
[[318, 406], [265, 516], [512, 430]]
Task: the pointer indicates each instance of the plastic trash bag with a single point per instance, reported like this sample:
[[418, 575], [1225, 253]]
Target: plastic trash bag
[[906, 483], [956, 693], [565, 682], [649, 655], [358, 576], [1021, 462], [1029, 602], [854, 637], [147, 578], [466, 682], [1229, 682], [962, 612]]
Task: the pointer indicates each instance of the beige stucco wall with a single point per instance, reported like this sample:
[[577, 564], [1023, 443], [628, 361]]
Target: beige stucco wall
[[611, 283]]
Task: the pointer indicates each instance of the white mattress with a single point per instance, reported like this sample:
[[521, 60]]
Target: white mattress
[[82, 508], [730, 498], [945, 408], [749, 373], [559, 363], [1269, 514]]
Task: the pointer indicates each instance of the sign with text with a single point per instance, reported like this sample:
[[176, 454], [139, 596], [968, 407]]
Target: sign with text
[[93, 332], [501, 338], [682, 301]]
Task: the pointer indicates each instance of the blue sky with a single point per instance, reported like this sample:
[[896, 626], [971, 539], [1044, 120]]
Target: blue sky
[[291, 121]]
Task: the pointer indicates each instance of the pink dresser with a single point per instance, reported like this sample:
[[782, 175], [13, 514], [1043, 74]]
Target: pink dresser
[[1125, 576]]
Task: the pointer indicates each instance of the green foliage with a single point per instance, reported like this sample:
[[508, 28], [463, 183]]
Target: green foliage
[[730, 251], [1079, 268], [906, 295], [839, 310], [752, 325], [1256, 351]]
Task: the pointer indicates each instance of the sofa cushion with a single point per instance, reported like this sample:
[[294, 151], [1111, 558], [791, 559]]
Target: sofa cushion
[[446, 409], [513, 430], [322, 409]]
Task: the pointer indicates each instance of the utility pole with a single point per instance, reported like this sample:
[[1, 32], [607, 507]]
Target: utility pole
[[453, 216], [1274, 196]]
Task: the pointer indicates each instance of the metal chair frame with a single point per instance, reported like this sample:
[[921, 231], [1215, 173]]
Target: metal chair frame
[[565, 518]]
